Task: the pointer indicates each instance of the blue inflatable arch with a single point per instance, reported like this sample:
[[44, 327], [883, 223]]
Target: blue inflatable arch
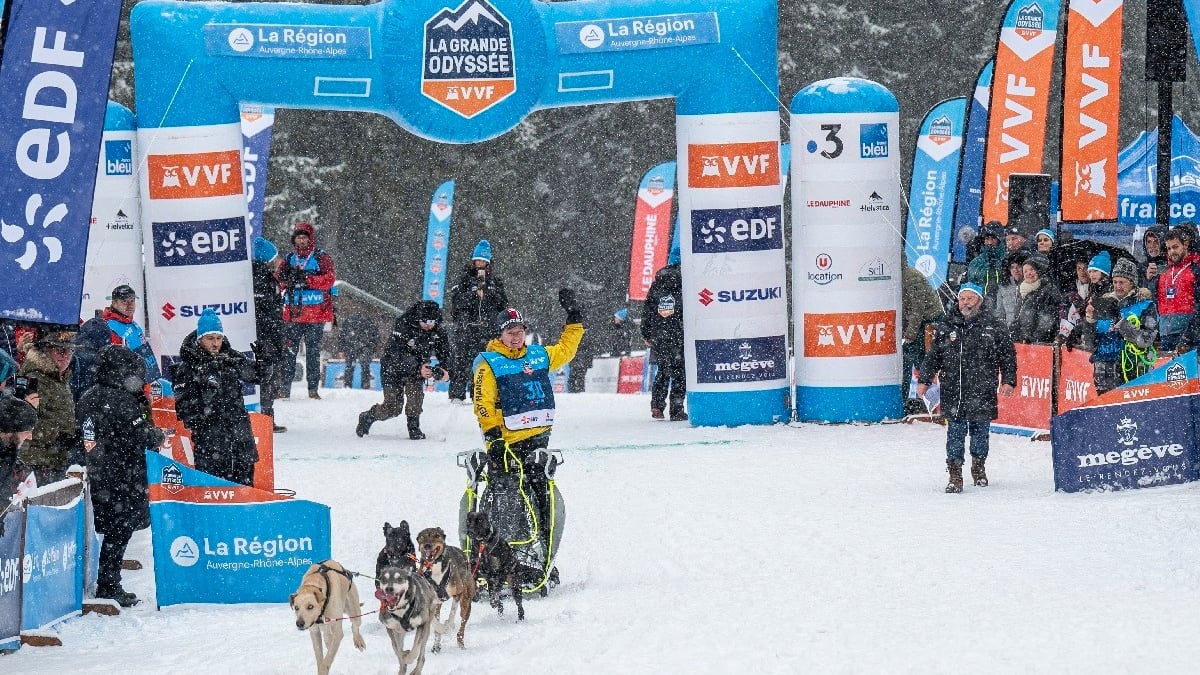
[[462, 71]]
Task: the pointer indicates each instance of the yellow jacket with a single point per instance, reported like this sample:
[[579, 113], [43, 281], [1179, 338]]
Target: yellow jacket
[[486, 395]]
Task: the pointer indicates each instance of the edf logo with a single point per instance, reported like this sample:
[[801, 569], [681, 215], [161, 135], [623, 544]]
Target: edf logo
[[200, 242], [873, 140], [737, 230], [118, 158]]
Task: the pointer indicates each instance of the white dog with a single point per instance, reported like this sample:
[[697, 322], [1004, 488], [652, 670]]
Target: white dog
[[327, 594]]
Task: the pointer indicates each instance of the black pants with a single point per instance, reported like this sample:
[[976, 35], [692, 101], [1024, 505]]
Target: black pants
[[537, 486], [671, 381], [310, 334], [235, 467], [409, 397], [468, 342], [362, 357], [577, 378], [112, 552]]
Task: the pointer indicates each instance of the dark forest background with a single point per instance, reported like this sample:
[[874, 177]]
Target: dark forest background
[[556, 195]]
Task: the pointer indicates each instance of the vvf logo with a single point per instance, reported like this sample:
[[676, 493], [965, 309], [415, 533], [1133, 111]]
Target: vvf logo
[[737, 230], [200, 242], [118, 158], [469, 63], [873, 140]]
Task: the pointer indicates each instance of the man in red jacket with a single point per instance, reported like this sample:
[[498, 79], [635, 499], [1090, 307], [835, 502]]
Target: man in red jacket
[[1176, 296], [306, 279]]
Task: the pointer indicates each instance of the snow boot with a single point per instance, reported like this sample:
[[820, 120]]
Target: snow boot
[[656, 413], [414, 431], [977, 472], [314, 395], [954, 466], [678, 416], [365, 419], [115, 592]]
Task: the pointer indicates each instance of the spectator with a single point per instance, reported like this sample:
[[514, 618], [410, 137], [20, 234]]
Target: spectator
[[208, 398], [1074, 300], [987, 269], [920, 306], [306, 278], [114, 417], [114, 326], [1008, 296], [1036, 320], [417, 339], [55, 444], [268, 323], [968, 351], [1044, 241], [1119, 329], [662, 327], [17, 420], [1175, 295], [620, 336], [1152, 249], [1015, 239], [474, 303], [358, 338]]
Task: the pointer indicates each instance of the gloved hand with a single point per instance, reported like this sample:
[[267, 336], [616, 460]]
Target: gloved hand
[[496, 449], [566, 298], [263, 351]]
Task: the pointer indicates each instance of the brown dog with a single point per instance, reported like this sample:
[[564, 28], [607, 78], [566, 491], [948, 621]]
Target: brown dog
[[326, 594], [448, 572]]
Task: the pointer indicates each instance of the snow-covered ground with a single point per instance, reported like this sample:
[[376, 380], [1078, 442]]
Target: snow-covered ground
[[786, 549]]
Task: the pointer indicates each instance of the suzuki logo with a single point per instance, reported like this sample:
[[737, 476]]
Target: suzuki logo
[[706, 297], [168, 311]]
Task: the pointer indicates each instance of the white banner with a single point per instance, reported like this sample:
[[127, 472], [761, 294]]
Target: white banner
[[114, 252]]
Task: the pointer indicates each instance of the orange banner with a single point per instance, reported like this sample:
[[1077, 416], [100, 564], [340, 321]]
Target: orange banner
[[1075, 384], [179, 440], [1091, 110], [1029, 406], [850, 334], [1020, 98]]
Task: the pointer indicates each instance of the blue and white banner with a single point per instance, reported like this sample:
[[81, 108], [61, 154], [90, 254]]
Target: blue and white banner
[[10, 579], [969, 207], [52, 567], [931, 193], [55, 72], [220, 542], [257, 121], [642, 32], [437, 243]]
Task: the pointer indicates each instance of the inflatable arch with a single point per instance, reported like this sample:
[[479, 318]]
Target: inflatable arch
[[461, 71]]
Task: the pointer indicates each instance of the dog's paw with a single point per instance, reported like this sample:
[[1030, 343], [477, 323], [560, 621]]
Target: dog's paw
[[359, 643]]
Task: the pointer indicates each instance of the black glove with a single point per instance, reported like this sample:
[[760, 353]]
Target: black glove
[[495, 450], [566, 298], [263, 351]]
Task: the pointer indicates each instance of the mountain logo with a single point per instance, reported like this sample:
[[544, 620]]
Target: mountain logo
[[468, 63], [1031, 19], [941, 129]]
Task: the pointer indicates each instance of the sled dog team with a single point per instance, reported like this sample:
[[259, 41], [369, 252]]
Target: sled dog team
[[412, 583]]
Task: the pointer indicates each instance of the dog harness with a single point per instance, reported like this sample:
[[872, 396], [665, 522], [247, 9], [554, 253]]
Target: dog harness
[[404, 619], [427, 572], [324, 571]]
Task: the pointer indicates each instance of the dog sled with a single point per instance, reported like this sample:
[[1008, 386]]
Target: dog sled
[[524, 506]]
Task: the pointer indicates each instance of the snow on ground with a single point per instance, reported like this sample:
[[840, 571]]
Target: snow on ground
[[786, 549]]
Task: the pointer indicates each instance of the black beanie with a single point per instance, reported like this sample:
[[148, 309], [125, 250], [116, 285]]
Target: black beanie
[[16, 415]]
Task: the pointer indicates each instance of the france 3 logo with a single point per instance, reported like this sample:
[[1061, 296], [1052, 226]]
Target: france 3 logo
[[759, 359], [873, 140], [118, 158], [757, 228]]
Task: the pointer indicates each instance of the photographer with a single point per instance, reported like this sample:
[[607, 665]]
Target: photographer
[[474, 303], [208, 399], [306, 278]]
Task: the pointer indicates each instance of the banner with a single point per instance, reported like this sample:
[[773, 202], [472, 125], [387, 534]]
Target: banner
[[53, 564], [257, 121], [1091, 110], [10, 579], [437, 243], [1017, 114], [55, 72], [1027, 411], [651, 215], [931, 192], [114, 247], [1138, 175], [969, 197], [220, 542]]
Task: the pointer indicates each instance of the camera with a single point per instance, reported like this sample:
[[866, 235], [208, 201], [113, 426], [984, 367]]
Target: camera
[[24, 386]]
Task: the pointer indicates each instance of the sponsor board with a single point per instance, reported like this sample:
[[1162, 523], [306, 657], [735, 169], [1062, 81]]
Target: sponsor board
[[708, 296], [873, 140], [195, 175], [737, 230], [201, 242], [118, 158], [644, 32], [287, 41], [732, 165], [759, 359], [846, 334], [468, 58]]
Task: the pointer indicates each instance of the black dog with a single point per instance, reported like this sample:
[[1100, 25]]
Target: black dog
[[398, 549], [495, 561]]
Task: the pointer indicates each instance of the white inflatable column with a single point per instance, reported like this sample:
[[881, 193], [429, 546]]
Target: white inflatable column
[[846, 235], [734, 268]]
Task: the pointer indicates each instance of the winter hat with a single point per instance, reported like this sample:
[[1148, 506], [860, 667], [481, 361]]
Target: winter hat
[[123, 292], [1045, 232], [1015, 229], [1039, 263], [1101, 263], [1124, 268], [483, 251], [991, 228], [303, 228], [8, 366], [264, 251], [621, 314], [16, 416], [666, 303], [209, 323], [507, 318], [971, 288]]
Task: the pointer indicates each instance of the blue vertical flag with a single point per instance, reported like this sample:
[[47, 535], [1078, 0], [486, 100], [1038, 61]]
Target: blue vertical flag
[[437, 243], [969, 207], [55, 71], [256, 156], [931, 196]]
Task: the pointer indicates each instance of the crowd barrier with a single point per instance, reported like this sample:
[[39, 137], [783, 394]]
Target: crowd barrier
[[620, 374], [335, 369]]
